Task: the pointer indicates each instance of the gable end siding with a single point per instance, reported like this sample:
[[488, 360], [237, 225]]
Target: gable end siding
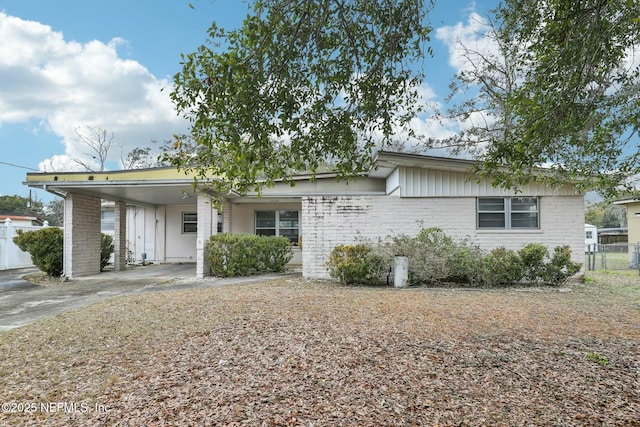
[[417, 182]]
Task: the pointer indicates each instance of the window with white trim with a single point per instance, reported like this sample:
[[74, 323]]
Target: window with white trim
[[508, 212], [189, 222], [279, 223]]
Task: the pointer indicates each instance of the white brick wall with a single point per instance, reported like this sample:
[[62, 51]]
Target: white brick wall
[[81, 235], [330, 221]]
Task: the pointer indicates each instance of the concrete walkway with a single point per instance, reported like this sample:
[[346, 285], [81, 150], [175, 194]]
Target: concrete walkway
[[22, 305]]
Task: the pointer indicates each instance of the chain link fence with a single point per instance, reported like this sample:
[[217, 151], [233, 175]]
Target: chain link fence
[[613, 256]]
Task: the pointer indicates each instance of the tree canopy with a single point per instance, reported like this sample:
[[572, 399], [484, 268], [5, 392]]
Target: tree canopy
[[303, 82], [299, 83], [575, 105], [17, 205], [605, 215]]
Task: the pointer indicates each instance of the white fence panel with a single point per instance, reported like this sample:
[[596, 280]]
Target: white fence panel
[[10, 255]]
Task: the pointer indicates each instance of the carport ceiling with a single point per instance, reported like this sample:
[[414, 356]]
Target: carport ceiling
[[143, 194]]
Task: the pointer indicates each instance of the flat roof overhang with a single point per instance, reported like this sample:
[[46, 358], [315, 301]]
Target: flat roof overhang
[[144, 187], [167, 186]]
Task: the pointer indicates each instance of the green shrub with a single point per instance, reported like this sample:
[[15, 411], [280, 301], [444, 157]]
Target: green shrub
[[106, 248], [246, 254], [467, 264], [539, 268], [435, 238], [46, 248], [560, 267], [533, 257], [435, 258], [355, 264], [429, 254], [502, 267], [274, 253]]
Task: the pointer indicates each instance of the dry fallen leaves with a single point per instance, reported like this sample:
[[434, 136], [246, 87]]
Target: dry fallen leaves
[[296, 353]]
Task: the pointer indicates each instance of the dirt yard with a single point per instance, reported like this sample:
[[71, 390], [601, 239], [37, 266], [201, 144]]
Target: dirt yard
[[295, 353]]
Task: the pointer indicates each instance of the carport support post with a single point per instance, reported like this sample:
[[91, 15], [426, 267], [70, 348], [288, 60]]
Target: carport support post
[[81, 254], [120, 237], [207, 218]]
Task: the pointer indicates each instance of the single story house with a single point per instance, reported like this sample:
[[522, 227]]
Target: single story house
[[158, 215]]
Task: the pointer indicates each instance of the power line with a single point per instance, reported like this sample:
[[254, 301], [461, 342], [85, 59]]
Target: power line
[[22, 167]]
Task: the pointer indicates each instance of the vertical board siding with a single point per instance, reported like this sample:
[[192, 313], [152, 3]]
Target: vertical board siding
[[417, 182]]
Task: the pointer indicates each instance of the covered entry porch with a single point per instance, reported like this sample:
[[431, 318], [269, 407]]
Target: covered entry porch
[[157, 216]]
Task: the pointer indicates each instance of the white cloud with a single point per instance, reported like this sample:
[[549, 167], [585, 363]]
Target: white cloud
[[63, 85], [474, 36], [64, 162]]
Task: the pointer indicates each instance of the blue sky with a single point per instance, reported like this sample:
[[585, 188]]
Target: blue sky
[[69, 64]]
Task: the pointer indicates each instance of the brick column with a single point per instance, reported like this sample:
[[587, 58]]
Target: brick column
[[226, 217], [120, 237], [207, 225], [81, 235]]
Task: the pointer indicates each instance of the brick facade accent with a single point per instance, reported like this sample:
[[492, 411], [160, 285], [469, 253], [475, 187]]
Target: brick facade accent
[[81, 235]]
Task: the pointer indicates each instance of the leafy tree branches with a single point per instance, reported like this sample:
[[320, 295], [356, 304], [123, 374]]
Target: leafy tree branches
[[565, 93], [302, 82]]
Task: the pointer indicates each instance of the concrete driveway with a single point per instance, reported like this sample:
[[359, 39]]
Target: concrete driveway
[[22, 302], [12, 279]]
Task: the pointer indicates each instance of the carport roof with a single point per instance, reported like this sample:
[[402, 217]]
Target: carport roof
[[152, 186], [168, 186]]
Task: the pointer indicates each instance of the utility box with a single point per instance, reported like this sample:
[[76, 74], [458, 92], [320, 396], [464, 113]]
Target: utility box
[[401, 272]]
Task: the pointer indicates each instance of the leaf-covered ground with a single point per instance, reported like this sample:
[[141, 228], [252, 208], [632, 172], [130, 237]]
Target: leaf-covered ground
[[289, 353]]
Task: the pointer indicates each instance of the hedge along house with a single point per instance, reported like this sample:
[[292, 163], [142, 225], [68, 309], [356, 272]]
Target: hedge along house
[[158, 213]]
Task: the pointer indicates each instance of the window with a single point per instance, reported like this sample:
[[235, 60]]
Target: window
[[108, 220], [589, 234], [189, 222], [278, 223], [220, 222], [508, 212]]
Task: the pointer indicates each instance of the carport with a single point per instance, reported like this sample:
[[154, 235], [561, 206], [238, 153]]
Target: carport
[[153, 188]]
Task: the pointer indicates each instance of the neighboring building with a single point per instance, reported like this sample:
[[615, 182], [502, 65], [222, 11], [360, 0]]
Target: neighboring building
[[22, 220], [590, 237], [158, 213], [608, 236], [632, 205]]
